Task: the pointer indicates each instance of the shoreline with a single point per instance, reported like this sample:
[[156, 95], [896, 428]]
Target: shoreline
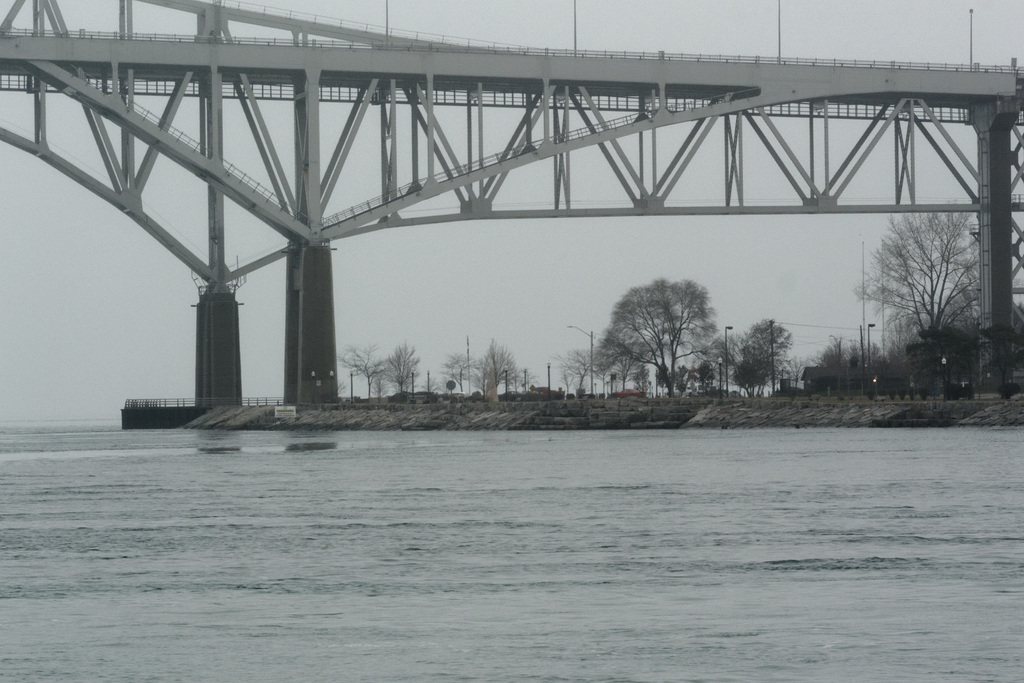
[[622, 414]]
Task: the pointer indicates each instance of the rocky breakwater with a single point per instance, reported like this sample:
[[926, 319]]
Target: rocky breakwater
[[548, 415], [750, 414]]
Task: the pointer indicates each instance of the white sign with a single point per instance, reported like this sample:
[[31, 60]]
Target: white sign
[[284, 412]]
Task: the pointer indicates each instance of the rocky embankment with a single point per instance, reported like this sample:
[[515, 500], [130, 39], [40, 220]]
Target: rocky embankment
[[622, 414], [801, 414]]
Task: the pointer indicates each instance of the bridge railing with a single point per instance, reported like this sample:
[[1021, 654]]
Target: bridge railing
[[480, 164], [446, 45], [201, 403]]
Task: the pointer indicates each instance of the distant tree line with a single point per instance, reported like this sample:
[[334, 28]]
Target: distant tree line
[[661, 338]]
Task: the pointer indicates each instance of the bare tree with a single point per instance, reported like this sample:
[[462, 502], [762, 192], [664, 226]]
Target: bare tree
[[364, 361], [457, 368], [659, 324], [378, 384], [763, 350], [926, 270], [497, 363], [401, 365], [621, 365], [575, 367]]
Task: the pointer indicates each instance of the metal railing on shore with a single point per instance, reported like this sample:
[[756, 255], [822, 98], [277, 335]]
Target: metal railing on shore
[[199, 403]]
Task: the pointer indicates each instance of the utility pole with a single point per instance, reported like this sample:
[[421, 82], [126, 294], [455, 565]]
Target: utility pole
[[771, 344]]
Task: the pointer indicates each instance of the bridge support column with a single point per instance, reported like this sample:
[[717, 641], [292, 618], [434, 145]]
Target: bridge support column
[[310, 364], [994, 123], [218, 356]]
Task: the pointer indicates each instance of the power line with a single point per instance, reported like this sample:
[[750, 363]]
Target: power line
[[823, 327]]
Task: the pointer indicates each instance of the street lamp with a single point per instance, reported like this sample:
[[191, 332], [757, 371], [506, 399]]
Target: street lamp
[[945, 383], [727, 328], [780, 30], [972, 40], [549, 381], [591, 335], [351, 387], [574, 27]]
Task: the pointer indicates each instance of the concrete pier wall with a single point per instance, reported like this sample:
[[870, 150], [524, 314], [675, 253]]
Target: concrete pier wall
[[218, 351], [311, 364]]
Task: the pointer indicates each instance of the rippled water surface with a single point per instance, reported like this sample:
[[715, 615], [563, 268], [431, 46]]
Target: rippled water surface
[[804, 555]]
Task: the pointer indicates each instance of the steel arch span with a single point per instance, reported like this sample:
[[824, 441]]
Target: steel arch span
[[452, 121]]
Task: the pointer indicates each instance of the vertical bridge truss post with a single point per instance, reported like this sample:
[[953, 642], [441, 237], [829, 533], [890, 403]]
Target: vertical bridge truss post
[[518, 106]]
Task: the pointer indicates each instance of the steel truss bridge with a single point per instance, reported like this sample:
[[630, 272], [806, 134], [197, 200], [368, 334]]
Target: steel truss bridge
[[453, 120]]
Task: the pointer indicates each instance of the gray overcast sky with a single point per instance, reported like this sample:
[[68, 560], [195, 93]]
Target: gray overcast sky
[[94, 311]]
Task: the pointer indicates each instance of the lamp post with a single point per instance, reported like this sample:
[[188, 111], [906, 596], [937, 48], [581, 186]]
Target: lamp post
[[945, 384], [972, 39], [591, 335], [351, 387], [780, 30], [549, 381], [727, 328], [574, 27]]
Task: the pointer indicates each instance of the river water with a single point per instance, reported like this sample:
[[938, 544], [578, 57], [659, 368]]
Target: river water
[[802, 555]]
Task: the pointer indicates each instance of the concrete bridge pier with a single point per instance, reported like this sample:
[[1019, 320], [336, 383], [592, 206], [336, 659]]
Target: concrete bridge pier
[[218, 355], [994, 123], [310, 363]]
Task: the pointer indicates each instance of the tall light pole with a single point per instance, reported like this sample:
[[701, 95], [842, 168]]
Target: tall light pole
[[972, 39], [780, 31], [574, 27], [727, 328], [591, 335]]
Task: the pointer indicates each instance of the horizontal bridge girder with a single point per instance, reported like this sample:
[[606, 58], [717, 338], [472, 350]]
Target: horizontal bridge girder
[[278, 63]]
